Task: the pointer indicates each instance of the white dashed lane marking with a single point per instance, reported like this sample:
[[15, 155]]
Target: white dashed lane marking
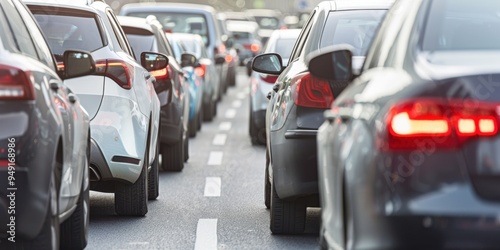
[[241, 95], [215, 158], [237, 104], [212, 187], [219, 140], [206, 235], [225, 126], [230, 113]]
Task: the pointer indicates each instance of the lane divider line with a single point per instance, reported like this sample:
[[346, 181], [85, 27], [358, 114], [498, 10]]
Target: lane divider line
[[219, 140], [237, 104], [212, 187], [230, 113], [206, 235], [225, 126], [215, 158]]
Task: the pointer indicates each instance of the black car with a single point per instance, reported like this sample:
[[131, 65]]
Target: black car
[[44, 135], [148, 35], [299, 99], [408, 156]]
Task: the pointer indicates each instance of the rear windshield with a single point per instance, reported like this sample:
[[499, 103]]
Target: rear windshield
[[142, 43], [270, 23], [180, 23], [463, 25], [284, 47], [70, 32], [238, 35], [353, 27]]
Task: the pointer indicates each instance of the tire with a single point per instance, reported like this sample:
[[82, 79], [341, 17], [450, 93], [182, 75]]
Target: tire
[[267, 185], [232, 82], [74, 231], [214, 109], [173, 156], [153, 176], [200, 120], [208, 113], [254, 135], [48, 237], [193, 127], [287, 217], [186, 150], [132, 199]]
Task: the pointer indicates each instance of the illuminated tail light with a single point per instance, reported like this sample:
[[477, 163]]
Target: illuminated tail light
[[4, 163], [15, 84], [228, 58], [116, 70], [221, 49], [254, 48], [200, 71], [162, 74], [311, 92], [269, 78], [445, 123]]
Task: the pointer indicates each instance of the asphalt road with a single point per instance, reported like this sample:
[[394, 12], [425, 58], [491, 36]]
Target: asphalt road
[[216, 202]]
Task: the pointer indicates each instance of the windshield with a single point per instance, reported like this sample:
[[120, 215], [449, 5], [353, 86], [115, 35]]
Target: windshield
[[271, 23], [354, 27], [70, 32], [180, 23], [462, 25]]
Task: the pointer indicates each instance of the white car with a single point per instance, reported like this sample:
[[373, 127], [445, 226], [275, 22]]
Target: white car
[[120, 99]]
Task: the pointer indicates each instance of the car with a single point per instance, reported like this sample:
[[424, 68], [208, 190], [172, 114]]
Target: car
[[268, 20], [196, 84], [231, 56], [280, 42], [44, 149], [172, 89], [411, 145], [188, 18], [297, 103], [123, 107], [205, 69], [246, 39]]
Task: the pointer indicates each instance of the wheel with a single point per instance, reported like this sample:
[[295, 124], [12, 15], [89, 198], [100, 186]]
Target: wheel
[[287, 217], [153, 176], [233, 79], [132, 199], [74, 231], [267, 185], [200, 120], [254, 133], [214, 109], [193, 126], [173, 156], [208, 113]]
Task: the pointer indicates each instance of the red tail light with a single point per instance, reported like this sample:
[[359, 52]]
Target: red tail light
[[162, 73], [269, 78], [221, 49], [4, 163], [253, 47], [15, 84], [200, 71], [445, 123], [228, 58], [311, 91], [116, 70]]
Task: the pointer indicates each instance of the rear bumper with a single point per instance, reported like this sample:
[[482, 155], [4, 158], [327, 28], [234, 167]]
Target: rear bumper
[[294, 174]]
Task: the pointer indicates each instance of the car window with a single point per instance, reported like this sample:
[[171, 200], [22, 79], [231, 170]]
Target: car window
[[142, 43], [462, 25], [22, 38], [44, 52], [119, 33], [64, 31], [270, 23], [354, 27], [241, 35], [284, 47], [192, 46], [190, 23], [297, 48]]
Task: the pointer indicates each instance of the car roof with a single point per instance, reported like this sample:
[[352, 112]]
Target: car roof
[[186, 36], [362, 4], [79, 5], [263, 12], [287, 34], [183, 7], [246, 26], [135, 22]]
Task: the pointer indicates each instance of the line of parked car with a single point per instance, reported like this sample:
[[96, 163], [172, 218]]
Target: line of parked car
[[89, 101], [386, 115]]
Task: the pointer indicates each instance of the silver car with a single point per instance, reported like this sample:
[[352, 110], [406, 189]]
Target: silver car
[[120, 99], [281, 42]]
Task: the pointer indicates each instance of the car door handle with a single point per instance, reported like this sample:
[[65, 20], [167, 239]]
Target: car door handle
[[54, 86], [269, 95], [147, 76], [276, 87], [72, 98]]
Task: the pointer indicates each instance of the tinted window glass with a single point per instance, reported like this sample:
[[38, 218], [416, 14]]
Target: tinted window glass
[[284, 47], [141, 44], [180, 22], [21, 34], [192, 46], [242, 35], [268, 22], [70, 32], [355, 27], [463, 25]]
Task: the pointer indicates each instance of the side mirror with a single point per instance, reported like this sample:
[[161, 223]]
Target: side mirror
[[220, 59], [77, 63], [152, 61], [270, 63], [333, 63], [188, 59]]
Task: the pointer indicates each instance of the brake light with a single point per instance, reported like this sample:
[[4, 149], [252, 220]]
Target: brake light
[[4, 163], [15, 84], [221, 49], [269, 78], [254, 48], [200, 71], [311, 91], [162, 73], [446, 123], [228, 58], [116, 70]]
